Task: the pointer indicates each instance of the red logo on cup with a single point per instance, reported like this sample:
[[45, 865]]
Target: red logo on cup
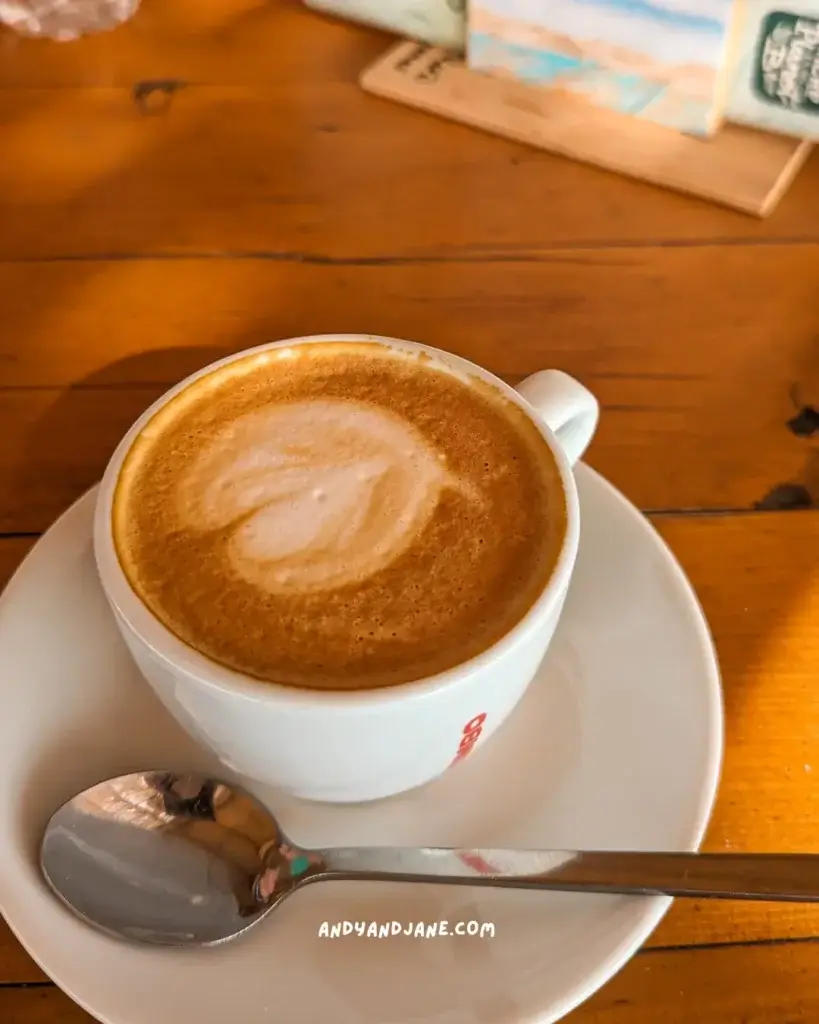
[[469, 737]]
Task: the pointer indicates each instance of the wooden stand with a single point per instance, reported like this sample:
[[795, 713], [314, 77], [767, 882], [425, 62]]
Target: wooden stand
[[739, 167]]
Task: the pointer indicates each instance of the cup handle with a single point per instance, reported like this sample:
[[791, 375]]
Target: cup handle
[[569, 410]]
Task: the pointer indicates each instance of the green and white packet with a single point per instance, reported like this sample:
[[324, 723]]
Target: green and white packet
[[774, 83]]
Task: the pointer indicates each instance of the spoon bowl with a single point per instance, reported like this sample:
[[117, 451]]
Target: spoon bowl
[[160, 857]]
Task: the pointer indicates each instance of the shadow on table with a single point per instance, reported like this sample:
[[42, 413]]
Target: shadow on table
[[66, 449]]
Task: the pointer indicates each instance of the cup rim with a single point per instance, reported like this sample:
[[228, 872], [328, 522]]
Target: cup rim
[[180, 657]]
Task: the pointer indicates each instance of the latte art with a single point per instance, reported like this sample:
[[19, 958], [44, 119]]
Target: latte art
[[314, 494], [338, 516]]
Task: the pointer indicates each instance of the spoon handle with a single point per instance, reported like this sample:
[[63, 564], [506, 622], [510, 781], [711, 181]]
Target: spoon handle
[[792, 877]]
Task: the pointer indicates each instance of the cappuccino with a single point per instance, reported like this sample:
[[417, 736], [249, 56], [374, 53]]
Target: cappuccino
[[339, 516]]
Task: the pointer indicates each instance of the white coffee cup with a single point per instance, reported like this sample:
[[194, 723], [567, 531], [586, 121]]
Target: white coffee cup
[[349, 746]]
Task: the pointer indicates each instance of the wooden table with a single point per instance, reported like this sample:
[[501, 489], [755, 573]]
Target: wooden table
[[258, 194]]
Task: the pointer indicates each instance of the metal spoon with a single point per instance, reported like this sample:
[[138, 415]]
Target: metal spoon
[[180, 860]]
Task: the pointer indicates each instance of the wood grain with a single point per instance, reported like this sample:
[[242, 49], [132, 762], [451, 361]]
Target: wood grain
[[16, 966], [750, 985], [268, 144], [675, 987], [757, 579], [699, 358]]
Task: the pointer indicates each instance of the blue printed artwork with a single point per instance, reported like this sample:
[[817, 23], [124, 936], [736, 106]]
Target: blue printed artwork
[[664, 60]]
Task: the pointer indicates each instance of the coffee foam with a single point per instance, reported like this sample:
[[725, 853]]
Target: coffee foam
[[315, 494], [338, 516]]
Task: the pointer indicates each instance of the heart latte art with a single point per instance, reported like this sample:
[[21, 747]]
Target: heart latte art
[[314, 494], [336, 515]]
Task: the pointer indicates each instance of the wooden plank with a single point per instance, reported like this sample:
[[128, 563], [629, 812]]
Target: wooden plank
[[683, 367], [739, 168], [39, 1006], [213, 42], [735, 985], [758, 582], [315, 167], [41, 474], [674, 987], [16, 966], [670, 313]]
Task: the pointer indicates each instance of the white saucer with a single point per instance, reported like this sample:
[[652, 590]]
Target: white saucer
[[617, 743]]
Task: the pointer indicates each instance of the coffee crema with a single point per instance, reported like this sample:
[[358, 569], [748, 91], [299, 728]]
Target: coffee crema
[[339, 515]]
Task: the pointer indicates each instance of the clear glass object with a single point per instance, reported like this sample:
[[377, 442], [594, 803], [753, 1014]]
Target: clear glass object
[[64, 19]]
